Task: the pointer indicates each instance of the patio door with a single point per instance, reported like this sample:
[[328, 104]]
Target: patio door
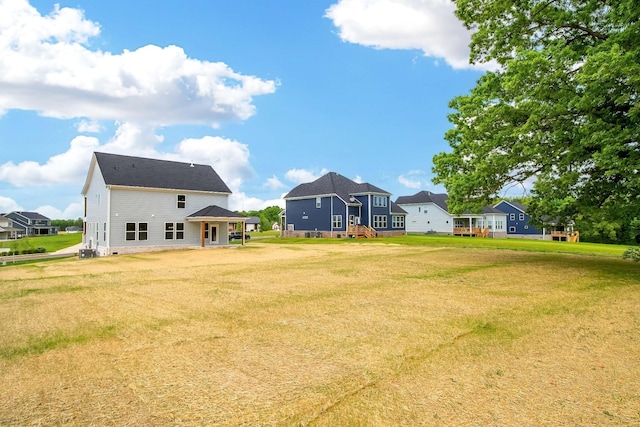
[[213, 233]]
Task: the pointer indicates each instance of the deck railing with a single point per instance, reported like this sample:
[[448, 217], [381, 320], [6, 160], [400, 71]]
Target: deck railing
[[359, 231], [473, 232]]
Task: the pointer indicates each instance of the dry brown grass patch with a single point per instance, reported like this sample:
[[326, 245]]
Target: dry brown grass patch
[[321, 334]]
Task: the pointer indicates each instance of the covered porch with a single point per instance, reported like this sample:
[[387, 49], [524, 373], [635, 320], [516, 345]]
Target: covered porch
[[214, 225], [471, 226]]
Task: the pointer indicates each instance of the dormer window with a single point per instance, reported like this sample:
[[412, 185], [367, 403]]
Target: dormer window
[[182, 201]]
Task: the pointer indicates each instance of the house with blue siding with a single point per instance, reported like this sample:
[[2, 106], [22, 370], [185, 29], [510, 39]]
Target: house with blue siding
[[518, 221], [136, 204], [336, 206]]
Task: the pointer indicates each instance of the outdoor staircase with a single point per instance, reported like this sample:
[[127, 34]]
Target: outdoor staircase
[[361, 232]]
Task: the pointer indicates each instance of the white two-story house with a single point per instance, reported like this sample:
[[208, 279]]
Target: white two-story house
[[135, 204], [427, 212]]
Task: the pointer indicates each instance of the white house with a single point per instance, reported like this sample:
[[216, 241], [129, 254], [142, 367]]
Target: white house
[[427, 212], [135, 204]]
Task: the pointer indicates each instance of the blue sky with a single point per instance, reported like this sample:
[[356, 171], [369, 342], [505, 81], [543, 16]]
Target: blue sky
[[271, 94]]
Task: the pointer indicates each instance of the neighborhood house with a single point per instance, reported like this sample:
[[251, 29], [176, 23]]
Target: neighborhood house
[[427, 212], [135, 204], [335, 206], [25, 224]]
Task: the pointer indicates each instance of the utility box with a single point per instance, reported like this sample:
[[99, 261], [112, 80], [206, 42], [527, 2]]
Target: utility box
[[87, 253]]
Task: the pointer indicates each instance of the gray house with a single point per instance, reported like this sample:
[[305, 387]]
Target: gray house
[[31, 224], [135, 204], [7, 230]]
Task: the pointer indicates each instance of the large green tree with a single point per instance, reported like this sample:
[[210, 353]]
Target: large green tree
[[560, 115]]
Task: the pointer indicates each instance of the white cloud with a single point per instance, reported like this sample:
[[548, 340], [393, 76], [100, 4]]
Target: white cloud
[[46, 65], [86, 126], [414, 179], [358, 179], [68, 167], [300, 176], [229, 158], [273, 183], [8, 205], [426, 25], [241, 202], [73, 211]]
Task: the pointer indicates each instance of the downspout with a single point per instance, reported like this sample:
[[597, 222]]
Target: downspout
[[370, 224]]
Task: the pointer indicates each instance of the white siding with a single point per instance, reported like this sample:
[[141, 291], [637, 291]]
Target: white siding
[[157, 208], [97, 205], [427, 217]]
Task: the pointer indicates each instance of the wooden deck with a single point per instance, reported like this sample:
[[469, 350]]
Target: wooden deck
[[474, 232], [361, 232], [564, 236]]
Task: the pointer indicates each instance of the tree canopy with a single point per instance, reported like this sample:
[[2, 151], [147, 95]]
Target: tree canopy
[[559, 117]]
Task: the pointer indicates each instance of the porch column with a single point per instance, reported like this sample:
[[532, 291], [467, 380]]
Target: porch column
[[202, 234]]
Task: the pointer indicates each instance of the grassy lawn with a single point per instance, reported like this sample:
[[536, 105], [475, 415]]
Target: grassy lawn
[[418, 330], [51, 243]]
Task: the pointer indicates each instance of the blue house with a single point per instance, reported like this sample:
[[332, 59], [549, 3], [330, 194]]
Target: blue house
[[335, 206], [517, 220]]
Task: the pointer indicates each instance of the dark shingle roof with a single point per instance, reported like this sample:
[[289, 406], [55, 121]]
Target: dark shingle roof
[[395, 209], [31, 215], [438, 199], [333, 183], [522, 208], [425, 197], [151, 173], [215, 211]]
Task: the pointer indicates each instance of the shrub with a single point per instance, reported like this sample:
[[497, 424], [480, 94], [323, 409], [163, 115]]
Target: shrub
[[632, 253]]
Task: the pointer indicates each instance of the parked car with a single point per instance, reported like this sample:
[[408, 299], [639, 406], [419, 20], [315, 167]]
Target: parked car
[[238, 235]]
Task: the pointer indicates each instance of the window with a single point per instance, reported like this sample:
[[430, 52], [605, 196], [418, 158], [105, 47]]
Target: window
[[512, 229], [336, 221], [168, 230], [182, 201], [397, 221], [512, 217], [130, 231], [104, 232], [179, 230], [526, 227], [131, 228], [318, 202], [521, 217], [206, 230], [142, 231], [379, 221], [379, 201], [499, 224]]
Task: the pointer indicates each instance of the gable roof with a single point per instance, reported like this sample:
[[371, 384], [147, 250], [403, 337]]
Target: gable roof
[[439, 200], [129, 171], [519, 206], [333, 183], [29, 215], [215, 211]]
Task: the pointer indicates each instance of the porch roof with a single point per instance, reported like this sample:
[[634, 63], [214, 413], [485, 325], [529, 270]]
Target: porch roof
[[215, 213]]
